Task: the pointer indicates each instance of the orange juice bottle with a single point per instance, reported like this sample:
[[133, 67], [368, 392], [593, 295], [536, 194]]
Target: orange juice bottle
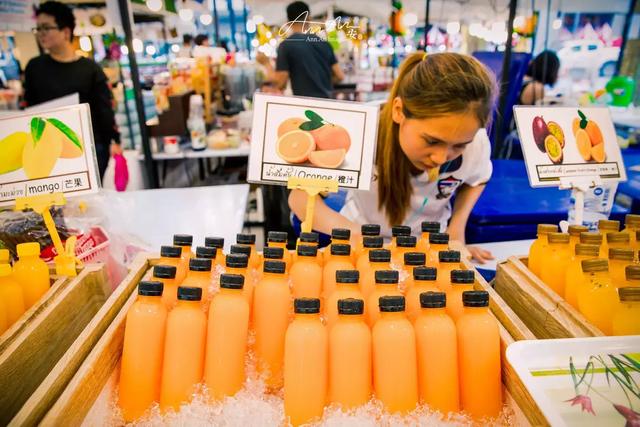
[[379, 259], [461, 281], [310, 239], [595, 238], [11, 294], [424, 280], [4, 321], [618, 239], [447, 262], [437, 348], [636, 244], [306, 363], [386, 285], [170, 255], [607, 226], [346, 287], [538, 247], [350, 356], [479, 357], [4, 256], [574, 275], [341, 236], [227, 331], [279, 239], [273, 254], [199, 275], [427, 228], [619, 259], [218, 243], [31, 273], [208, 253], [306, 273], [395, 368], [627, 316], [632, 276], [271, 310], [340, 260], [396, 231], [574, 233], [142, 352], [404, 244], [166, 274], [184, 349], [438, 242], [250, 241], [247, 251], [555, 259], [369, 243], [597, 297], [366, 230], [239, 264], [411, 261], [631, 225], [184, 241]]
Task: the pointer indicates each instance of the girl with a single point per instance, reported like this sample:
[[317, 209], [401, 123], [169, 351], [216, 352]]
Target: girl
[[431, 145]]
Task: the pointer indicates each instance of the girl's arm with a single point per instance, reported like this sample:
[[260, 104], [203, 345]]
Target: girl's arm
[[324, 218], [466, 198]]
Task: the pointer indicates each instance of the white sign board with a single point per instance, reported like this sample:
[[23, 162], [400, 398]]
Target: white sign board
[[569, 144], [47, 152], [312, 138]]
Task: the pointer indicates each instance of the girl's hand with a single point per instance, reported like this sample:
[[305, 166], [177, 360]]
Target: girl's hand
[[480, 255]]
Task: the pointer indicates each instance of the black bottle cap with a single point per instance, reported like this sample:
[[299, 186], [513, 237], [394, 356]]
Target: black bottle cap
[[237, 261], [340, 234], [370, 230], [245, 239], [439, 238], [400, 230], [391, 303], [373, 242], [187, 293], [340, 249], [475, 298], [200, 264], [170, 251], [150, 289], [462, 276], [277, 237], [231, 281], [164, 271], [406, 241], [307, 250], [206, 252], [274, 267], [433, 299], [430, 227], [214, 242], [449, 256], [347, 276], [425, 273], [380, 255], [182, 239], [306, 305], [240, 249], [273, 253], [350, 306], [415, 258], [387, 277], [310, 237]]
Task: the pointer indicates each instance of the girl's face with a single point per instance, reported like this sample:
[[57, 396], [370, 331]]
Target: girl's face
[[429, 143]]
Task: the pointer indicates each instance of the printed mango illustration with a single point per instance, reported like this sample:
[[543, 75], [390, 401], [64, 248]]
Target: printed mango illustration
[[41, 151], [11, 148], [71, 144]]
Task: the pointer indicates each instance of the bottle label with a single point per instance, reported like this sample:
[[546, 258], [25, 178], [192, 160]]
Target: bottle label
[[598, 202]]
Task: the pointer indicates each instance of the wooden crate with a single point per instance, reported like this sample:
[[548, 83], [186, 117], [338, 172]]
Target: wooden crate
[[542, 310], [87, 396]]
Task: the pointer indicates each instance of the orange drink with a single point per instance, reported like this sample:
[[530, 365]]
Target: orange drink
[[184, 241], [626, 319], [424, 280], [411, 261], [574, 233], [218, 243], [461, 281], [166, 274], [555, 259], [538, 247], [279, 239], [595, 238], [369, 243], [31, 273], [447, 262], [170, 255], [619, 259], [379, 259], [250, 241], [346, 287], [306, 273], [11, 294], [366, 230], [597, 297], [632, 276], [438, 242], [404, 244], [574, 274], [340, 260], [427, 227], [396, 231], [386, 285]]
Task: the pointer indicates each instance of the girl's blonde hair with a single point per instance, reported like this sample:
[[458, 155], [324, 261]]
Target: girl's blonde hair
[[429, 86]]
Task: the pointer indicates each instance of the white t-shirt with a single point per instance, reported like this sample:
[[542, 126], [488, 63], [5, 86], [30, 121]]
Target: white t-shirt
[[430, 200]]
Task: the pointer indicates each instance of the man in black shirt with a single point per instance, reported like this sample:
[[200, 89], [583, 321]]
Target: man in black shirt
[[61, 72]]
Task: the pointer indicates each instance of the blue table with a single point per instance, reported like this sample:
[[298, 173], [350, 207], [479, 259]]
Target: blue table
[[629, 192]]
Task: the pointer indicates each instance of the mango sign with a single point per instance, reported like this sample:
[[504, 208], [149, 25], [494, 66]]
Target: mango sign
[[47, 152], [312, 138]]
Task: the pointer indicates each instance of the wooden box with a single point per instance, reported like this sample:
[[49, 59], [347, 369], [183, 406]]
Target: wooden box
[[542, 310]]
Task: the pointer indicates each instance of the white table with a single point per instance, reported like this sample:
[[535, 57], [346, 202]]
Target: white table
[[503, 250], [208, 153], [626, 117]]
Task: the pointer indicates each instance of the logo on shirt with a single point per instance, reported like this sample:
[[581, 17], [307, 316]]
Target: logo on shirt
[[447, 186]]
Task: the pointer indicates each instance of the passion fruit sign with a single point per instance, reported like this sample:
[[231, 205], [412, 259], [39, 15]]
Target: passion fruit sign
[[47, 152], [568, 144], [312, 138]]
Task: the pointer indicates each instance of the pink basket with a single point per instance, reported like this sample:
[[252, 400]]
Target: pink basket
[[93, 246]]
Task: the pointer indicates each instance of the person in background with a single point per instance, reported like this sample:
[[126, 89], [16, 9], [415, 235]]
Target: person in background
[[543, 70], [60, 71], [202, 40], [203, 48], [185, 49]]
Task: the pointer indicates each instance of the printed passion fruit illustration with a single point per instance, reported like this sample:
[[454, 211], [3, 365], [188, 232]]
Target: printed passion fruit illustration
[[553, 149], [11, 148], [540, 132], [589, 139], [555, 130]]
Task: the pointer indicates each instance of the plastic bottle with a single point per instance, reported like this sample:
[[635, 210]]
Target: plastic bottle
[[632, 226], [618, 240], [427, 227], [626, 320], [4, 315], [369, 243], [346, 287], [218, 243], [310, 239], [31, 273], [461, 281], [199, 276], [447, 262], [574, 274], [170, 255], [412, 260], [554, 262], [184, 241], [306, 365], [597, 297], [195, 123], [605, 227], [479, 357], [184, 349], [404, 244], [340, 260], [208, 253], [438, 242], [238, 264], [636, 245], [632, 276], [272, 254], [306, 273], [538, 247], [166, 274], [279, 239], [595, 239], [4, 256], [574, 236], [142, 351], [227, 331], [350, 356], [379, 260], [341, 236], [11, 294], [366, 230], [437, 348], [386, 285], [395, 368], [424, 280], [619, 259], [398, 230], [250, 241], [245, 250], [271, 310]]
